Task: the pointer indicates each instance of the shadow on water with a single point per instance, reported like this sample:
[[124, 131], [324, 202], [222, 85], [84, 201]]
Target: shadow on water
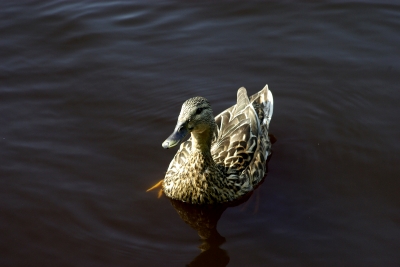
[[204, 219]]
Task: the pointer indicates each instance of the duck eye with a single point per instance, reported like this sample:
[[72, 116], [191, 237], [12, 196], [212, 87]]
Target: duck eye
[[199, 110]]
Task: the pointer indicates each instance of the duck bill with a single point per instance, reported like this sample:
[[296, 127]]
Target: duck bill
[[176, 137]]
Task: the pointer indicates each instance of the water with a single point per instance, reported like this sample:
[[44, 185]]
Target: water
[[90, 89]]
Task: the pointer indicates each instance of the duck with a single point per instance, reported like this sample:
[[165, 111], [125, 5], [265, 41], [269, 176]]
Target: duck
[[225, 157]]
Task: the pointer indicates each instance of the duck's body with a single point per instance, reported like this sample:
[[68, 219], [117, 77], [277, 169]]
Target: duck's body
[[225, 157]]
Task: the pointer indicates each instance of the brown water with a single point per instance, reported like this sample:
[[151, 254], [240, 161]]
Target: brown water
[[90, 89]]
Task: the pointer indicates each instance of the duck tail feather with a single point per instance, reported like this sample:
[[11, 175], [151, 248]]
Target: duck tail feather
[[242, 99]]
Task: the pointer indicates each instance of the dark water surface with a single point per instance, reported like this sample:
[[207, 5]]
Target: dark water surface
[[90, 89]]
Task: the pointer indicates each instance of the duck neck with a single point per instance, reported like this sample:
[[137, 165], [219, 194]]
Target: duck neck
[[201, 142]]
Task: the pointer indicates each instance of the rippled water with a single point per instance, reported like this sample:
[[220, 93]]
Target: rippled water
[[90, 89]]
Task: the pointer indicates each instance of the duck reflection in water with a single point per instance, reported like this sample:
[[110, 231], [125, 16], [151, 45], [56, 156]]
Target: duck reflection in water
[[204, 219]]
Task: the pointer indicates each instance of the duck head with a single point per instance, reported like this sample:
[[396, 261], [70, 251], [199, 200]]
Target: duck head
[[195, 117]]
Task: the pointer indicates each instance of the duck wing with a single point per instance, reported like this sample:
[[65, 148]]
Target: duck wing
[[237, 132]]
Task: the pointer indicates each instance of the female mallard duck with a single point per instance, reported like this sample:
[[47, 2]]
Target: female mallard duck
[[225, 157]]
